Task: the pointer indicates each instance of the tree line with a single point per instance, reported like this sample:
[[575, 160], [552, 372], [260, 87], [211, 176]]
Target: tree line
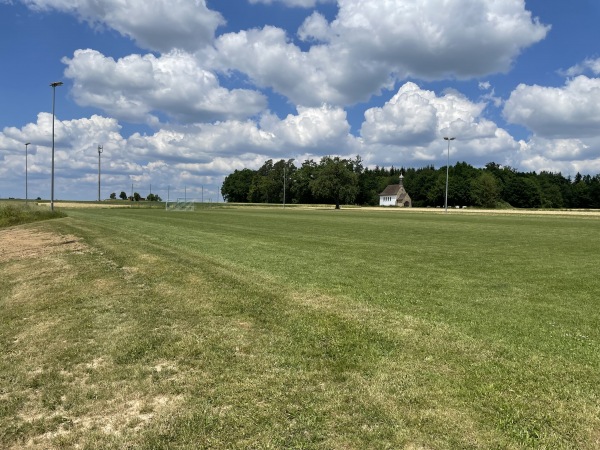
[[136, 197], [346, 181]]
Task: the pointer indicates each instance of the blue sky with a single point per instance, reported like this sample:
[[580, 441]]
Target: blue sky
[[182, 92]]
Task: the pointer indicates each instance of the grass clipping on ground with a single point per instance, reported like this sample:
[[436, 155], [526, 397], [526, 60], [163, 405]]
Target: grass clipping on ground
[[59, 379], [97, 356], [204, 337]]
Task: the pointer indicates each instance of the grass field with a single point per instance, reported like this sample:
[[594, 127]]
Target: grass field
[[312, 329]]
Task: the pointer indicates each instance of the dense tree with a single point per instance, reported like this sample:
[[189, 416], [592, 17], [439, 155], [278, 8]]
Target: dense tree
[[153, 198], [436, 195], [286, 170], [282, 175], [113, 196], [552, 185], [300, 185], [261, 187], [580, 194], [236, 187], [123, 195], [552, 197], [594, 192], [267, 185], [346, 180], [485, 190], [356, 165], [136, 196], [336, 181], [418, 183], [459, 191], [370, 184], [522, 192]]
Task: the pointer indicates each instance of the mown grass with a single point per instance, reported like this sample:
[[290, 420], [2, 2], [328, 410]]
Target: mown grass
[[263, 328], [17, 213]]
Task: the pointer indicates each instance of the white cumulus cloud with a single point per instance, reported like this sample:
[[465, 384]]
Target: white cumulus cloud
[[76, 157], [565, 122], [315, 28], [567, 156], [571, 111], [311, 78], [433, 38], [159, 25], [371, 44], [416, 117], [135, 86], [318, 129], [294, 3], [589, 65], [410, 127]]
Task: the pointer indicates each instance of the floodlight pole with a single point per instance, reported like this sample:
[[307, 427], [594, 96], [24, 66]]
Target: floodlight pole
[[446, 138], [26, 196], [284, 186], [54, 85], [100, 150]]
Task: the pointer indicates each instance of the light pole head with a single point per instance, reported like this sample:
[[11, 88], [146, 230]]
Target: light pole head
[[449, 138], [56, 83], [27, 143]]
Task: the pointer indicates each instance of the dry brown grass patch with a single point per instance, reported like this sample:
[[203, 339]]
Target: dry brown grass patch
[[22, 243]]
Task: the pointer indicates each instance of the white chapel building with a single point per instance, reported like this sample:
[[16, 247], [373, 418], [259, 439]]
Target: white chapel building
[[395, 195]]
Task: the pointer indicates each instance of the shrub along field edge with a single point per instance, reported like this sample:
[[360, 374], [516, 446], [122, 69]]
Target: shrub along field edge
[[17, 213]]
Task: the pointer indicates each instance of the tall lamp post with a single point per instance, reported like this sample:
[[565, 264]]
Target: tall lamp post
[[446, 138], [100, 150], [56, 83], [26, 196]]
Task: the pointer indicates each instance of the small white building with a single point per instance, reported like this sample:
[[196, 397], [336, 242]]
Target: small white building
[[395, 195]]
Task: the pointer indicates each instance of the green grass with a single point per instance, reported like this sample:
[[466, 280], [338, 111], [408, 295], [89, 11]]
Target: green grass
[[269, 328], [17, 213]]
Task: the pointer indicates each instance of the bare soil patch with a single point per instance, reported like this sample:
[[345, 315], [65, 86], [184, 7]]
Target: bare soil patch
[[19, 243]]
